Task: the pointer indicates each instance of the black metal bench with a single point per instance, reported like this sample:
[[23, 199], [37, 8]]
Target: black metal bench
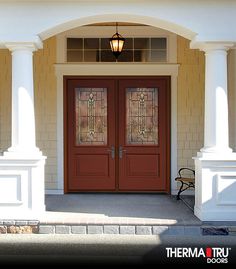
[[186, 178]]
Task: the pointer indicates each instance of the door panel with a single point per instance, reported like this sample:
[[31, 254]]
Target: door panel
[[143, 134], [117, 134], [92, 165], [136, 167], [91, 134]]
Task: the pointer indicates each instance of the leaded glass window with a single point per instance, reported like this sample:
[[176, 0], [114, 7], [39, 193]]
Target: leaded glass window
[[142, 116], [91, 116]]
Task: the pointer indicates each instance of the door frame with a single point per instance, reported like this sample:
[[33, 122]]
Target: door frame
[[168, 125]]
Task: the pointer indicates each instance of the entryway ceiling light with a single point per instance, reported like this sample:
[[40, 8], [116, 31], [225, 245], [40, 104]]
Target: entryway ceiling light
[[117, 43]]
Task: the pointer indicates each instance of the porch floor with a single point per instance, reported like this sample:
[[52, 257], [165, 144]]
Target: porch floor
[[120, 209]]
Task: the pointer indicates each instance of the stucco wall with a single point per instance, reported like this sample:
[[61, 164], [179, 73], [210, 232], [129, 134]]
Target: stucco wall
[[45, 107], [190, 102]]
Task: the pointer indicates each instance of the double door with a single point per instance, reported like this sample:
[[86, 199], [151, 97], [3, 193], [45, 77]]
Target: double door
[[117, 134]]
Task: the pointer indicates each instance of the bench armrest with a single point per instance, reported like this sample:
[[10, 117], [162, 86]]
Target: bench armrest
[[181, 170]]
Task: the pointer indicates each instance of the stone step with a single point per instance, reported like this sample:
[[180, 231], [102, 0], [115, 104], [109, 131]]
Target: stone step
[[37, 227]]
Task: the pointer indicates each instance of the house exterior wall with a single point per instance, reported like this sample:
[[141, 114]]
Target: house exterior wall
[[190, 104], [215, 21], [212, 31], [190, 121], [5, 99], [232, 97], [45, 105], [190, 128], [45, 108]]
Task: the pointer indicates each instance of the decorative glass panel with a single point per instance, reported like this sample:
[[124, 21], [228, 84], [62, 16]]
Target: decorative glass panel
[[142, 116], [91, 116]]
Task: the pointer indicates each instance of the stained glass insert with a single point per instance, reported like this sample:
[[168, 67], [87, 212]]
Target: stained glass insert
[[91, 116], [142, 116]]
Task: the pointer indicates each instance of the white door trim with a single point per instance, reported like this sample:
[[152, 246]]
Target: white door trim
[[118, 69]]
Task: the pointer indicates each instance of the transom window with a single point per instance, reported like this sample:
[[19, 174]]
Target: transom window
[[135, 50]]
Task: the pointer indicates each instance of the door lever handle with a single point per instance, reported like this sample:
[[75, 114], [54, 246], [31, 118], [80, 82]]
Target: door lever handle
[[121, 150], [112, 150]]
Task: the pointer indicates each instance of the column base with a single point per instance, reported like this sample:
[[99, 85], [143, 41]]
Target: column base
[[216, 150], [215, 187], [23, 152], [22, 186]]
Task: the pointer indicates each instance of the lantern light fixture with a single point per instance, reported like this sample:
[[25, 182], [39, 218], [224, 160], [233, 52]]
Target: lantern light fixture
[[117, 43]]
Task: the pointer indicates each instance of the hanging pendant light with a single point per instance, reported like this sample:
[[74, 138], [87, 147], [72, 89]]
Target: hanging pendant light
[[117, 43]]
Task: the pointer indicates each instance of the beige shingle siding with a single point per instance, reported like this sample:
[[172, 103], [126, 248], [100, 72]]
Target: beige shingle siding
[[191, 82], [5, 99], [45, 108], [190, 104]]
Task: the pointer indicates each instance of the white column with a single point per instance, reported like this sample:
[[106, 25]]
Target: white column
[[216, 130], [215, 165], [23, 116], [22, 166]]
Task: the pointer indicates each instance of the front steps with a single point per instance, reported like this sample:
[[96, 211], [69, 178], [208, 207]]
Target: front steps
[[36, 227]]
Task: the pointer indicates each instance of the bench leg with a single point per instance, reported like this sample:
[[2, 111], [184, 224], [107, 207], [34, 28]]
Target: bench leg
[[180, 190]]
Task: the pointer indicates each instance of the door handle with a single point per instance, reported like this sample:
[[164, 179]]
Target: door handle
[[112, 150], [121, 150]]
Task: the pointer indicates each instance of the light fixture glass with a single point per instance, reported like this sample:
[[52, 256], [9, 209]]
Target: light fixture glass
[[117, 43]]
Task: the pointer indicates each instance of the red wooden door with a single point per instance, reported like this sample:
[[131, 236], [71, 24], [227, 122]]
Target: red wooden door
[[117, 134], [91, 134], [143, 134]]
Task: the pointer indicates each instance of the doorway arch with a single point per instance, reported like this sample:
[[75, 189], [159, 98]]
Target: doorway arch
[[129, 18], [168, 70]]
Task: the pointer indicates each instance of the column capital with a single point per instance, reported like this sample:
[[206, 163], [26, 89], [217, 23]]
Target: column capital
[[211, 46], [14, 46]]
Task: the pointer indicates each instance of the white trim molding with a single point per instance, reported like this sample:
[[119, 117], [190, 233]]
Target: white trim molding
[[118, 69], [21, 187], [215, 187], [53, 192]]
